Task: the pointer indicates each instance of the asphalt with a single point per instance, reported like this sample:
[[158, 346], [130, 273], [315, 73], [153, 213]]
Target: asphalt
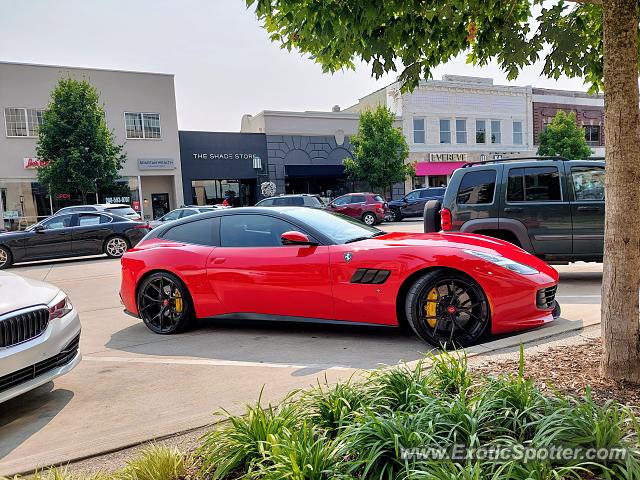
[[133, 385]]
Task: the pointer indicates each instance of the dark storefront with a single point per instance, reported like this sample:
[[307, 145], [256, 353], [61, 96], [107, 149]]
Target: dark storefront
[[220, 165]]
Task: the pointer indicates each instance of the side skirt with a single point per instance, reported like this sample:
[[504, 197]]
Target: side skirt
[[286, 318]]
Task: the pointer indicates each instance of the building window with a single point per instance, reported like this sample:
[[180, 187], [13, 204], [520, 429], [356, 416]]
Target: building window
[[445, 131], [418, 130], [592, 134], [142, 125], [496, 136], [517, 133], [461, 131], [481, 131], [22, 122]]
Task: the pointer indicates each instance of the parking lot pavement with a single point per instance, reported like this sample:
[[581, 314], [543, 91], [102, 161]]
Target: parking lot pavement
[[133, 385]]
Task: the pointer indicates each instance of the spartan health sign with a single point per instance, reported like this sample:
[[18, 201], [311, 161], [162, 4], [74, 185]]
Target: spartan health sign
[[31, 163]]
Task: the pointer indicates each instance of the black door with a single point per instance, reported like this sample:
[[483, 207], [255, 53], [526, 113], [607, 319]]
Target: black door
[[413, 206], [50, 239], [587, 209], [159, 204], [90, 233]]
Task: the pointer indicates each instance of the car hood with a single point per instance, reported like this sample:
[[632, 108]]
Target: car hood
[[17, 292], [461, 241]]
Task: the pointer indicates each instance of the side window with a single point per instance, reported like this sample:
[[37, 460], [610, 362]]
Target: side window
[[281, 202], [534, 184], [588, 183], [342, 200], [313, 202], [296, 201], [378, 198], [476, 188], [357, 199], [171, 216], [105, 219], [59, 221], [199, 232], [188, 212], [413, 195], [252, 231], [266, 203], [86, 219]]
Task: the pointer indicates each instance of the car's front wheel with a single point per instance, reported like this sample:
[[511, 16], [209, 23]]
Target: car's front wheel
[[164, 304], [369, 219], [447, 309], [115, 246], [5, 257], [395, 215]]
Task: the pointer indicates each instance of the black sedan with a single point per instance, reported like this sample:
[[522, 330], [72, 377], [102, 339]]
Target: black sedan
[[71, 235]]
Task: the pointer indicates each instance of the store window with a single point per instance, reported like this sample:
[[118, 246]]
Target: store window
[[461, 130], [419, 182], [22, 122], [496, 134], [215, 192], [142, 125], [517, 133], [418, 130], [592, 134], [481, 131], [445, 131], [23, 202]]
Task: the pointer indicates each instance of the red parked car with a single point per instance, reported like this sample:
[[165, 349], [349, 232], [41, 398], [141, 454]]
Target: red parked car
[[368, 207], [303, 264]]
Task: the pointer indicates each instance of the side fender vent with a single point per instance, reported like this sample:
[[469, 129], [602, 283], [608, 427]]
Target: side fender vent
[[370, 275]]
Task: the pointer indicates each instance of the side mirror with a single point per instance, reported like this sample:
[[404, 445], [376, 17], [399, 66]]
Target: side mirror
[[332, 205], [295, 238], [39, 228]]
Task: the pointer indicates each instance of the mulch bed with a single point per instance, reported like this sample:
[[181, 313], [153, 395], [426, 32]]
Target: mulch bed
[[570, 370]]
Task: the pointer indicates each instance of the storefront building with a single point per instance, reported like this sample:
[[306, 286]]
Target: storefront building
[[140, 109], [222, 165]]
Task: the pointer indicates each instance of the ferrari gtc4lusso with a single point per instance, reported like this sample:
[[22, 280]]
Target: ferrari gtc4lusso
[[302, 264]]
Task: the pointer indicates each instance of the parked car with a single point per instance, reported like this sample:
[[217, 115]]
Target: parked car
[[551, 207], [293, 200], [116, 208], [368, 207], [69, 235], [412, 204], [292, 263], [183, 212], [39, 335]]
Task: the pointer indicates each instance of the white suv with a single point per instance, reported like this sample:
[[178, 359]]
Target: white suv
[[120, 209]]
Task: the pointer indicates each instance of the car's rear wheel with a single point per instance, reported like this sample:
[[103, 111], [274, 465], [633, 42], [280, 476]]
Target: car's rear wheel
[[164, 303], [5, 257], [431, 216], [447, 309], [369, 219], [395, 215], [115, 246]]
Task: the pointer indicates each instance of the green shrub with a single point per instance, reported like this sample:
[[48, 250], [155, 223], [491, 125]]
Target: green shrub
[[400, 388], [155, 463], [449, 373], [332, 408]]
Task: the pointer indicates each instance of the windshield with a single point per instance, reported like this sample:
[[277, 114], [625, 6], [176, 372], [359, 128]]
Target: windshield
[[339, 228]]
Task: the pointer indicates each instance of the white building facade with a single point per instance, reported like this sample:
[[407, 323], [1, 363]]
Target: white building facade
[[140, 109]]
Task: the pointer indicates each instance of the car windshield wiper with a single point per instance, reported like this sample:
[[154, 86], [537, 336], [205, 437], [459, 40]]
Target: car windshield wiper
[[358, 239]]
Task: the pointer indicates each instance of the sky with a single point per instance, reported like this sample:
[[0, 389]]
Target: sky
[[223, 61]]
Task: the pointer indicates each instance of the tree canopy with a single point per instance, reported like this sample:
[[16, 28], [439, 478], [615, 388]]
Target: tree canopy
[[379, 151], [75, 141], [563, 137]]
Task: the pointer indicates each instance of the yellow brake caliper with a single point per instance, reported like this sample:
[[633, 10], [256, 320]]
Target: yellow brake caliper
[[178, 301], [430, 307]]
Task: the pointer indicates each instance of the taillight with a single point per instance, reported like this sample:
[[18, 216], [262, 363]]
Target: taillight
[[445, 219], [379, 207], [143, 225]]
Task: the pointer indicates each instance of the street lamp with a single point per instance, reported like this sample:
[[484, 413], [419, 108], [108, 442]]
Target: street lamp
[[257, 166]]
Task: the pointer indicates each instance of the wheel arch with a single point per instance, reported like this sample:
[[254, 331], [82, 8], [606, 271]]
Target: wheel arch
[[152, 271], [401, 296], [510, 226]]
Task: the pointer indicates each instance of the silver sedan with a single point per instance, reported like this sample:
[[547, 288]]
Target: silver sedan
[[39, 334]]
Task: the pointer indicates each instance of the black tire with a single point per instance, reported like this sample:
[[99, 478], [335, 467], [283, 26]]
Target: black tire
[[369, 219], [115, 246], [164, 303], [456, 316], [431, 216], [6, 259], [395, 215]]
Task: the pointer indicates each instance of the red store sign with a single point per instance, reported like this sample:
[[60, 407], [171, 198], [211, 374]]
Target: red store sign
[[31, 163]]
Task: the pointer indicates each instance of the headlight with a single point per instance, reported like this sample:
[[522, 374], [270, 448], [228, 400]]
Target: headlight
[[59, 307], [504, 262]]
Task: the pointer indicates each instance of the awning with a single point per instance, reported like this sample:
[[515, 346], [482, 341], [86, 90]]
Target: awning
[[437, 168], [304, 171]]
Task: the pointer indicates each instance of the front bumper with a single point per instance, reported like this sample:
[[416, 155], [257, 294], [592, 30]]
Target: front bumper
[[33, 363]]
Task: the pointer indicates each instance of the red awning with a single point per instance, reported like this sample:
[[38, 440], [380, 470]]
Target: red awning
[[437, 168]]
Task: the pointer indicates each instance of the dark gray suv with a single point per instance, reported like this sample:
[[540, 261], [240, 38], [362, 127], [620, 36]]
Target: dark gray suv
[[551, 207]]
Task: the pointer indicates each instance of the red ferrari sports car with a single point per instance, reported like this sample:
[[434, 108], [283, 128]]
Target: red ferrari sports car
[[302, 264]]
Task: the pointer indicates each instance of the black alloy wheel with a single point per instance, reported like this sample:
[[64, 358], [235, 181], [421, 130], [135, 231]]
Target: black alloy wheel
[[395, 215], [164, 303], [448, 309]]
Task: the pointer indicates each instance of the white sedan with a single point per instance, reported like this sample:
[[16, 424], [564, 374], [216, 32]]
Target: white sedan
[[39, 334]]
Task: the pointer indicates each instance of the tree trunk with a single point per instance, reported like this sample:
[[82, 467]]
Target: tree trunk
[[621, 278]]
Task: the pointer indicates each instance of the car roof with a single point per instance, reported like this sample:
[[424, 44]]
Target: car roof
[[532, 161]]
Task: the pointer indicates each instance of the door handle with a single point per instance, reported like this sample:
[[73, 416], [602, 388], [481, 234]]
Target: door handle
[[513, 209], [218, 260], [588, 209]]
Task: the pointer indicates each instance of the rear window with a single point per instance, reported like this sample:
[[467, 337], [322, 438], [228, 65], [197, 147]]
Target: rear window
[[477, 187], [121, 210], [313, 202], [432, 192], [533, 184], [378, 198]]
